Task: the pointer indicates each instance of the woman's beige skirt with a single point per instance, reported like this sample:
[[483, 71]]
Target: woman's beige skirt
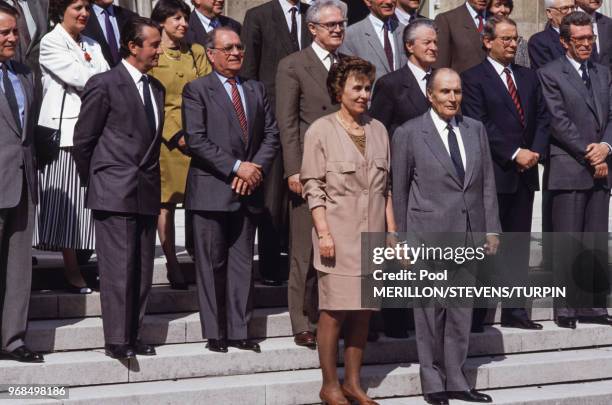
[[342, 293]]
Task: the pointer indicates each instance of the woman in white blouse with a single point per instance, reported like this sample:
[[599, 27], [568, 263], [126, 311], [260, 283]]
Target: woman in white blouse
[[67, 59]]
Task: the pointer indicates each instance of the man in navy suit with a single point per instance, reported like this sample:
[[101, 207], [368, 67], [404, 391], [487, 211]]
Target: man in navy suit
[[507, 98], [545, 46]]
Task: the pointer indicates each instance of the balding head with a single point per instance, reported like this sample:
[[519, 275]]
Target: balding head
[[444, 92]]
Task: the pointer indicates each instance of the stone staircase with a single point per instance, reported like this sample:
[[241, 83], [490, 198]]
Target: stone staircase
[[552, 366]]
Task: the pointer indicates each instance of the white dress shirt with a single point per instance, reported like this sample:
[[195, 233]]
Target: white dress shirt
[[379, 29], [441, 125], [99, 12], [419, 75], [474, 14], [402, 16], [205, 21], [137, 77], [326, 57], [286, 6]]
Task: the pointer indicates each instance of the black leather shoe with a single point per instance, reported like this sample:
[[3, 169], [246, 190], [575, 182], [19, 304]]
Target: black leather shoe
[[119, 352], [144, 349], [470, 396], [436, 398], [566, 322], [25, 355], [306, 339], [521, 323], [244, 344], [600, 320], [217, 345]]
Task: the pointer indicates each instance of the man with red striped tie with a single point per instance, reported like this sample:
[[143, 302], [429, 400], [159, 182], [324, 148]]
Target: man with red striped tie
[[232, 138], [459, 36], [507, 98]]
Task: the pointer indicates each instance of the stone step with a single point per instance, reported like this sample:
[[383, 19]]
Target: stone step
[[163, 299], [188, 360], [381, 381]]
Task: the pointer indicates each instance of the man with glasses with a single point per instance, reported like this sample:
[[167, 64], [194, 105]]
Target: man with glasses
[[233, 140], [507, 99], [578, 95], [301, 99], [377, 38], [545, 46], [272, 31], [602, 27]]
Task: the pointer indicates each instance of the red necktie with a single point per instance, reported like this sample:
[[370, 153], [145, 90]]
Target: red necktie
[[237, 102], [388, 48], [480, 23], [514, 95]]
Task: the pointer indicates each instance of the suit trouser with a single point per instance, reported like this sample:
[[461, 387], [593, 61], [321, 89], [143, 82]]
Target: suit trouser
[[576, 212], [16, 227], [302, 288], [224, 244], [125, 246]]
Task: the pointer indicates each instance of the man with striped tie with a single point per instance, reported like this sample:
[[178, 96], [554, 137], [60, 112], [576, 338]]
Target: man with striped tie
[[233, 139], [507, 98]]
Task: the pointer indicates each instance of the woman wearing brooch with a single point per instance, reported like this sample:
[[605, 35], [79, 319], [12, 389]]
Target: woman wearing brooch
[[67, 59], [179, 64]]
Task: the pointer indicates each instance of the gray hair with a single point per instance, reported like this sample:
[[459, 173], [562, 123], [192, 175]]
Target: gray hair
[[314, 11], [549, 3], [409, 34]]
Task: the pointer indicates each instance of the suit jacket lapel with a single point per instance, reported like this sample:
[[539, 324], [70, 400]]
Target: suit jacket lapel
[[306, 39], [597, 83], [372, 39], [251, 105], [28, 95], [132, 95], [221, 98], [278, 19], [576, 81], [500, 88], [410, 82], [39, 18], [196, 25], [470, 144], [434, 141], [521, 88], [399, 44], [8, 115], [315, 68], [470, 29]]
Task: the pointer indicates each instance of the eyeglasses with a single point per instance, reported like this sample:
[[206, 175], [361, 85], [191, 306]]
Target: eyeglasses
[[231, 48], [589, 39], [333, 25], [565, 9], [508, 40]]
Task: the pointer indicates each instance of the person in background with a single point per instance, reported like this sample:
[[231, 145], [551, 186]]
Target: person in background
[[205, 17], [105, 27], [67, 59], [179, 64], [503, 8], [545, 46], [345, 178], [602, 28], [407, 11]]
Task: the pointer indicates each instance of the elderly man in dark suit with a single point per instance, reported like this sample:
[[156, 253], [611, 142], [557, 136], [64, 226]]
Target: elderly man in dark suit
[[206, 16], [116, 149], [105, 26], [602, 27], [233, 140], [578, 94], [545, 46], [443, 182], [19, 192], [377, 38], [301, 99], [271, 32], [507, 99], [459, 29]]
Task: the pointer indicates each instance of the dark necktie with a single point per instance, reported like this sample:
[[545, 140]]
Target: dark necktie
[[9, 93], [514, 95], [214, 23], [387, 44], [455, 153], [22, 26], [480, 26], [110, 37], [148, 103], [237, 102], [585, 75], [413, 17], [293, 34]]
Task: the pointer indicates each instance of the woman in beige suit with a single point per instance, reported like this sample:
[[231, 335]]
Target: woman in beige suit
[[345, 173]]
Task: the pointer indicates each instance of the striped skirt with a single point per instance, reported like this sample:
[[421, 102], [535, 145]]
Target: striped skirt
[[62, 221]]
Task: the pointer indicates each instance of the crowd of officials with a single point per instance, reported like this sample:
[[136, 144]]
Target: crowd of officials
[[291, 124]]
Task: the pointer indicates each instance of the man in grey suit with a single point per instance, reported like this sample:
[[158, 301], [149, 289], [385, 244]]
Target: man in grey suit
[[377, 38], [116, 150], [301, 99], [443, 181], [233, 140], [578, 94], [19, 193]]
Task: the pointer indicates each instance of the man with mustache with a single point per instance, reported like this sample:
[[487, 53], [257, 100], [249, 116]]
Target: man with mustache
[[578, 94], [602, 28], [459, 30], [106, 28], [233, 140], [117, 140], [206, 16], [377, 38]]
